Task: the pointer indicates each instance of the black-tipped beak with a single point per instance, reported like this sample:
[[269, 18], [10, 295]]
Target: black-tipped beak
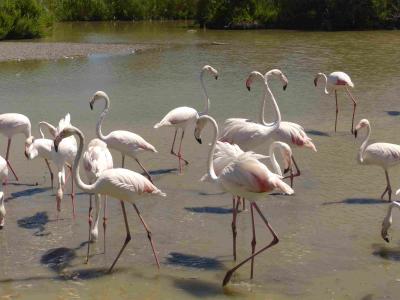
[[26, 155], [199, 140], [91, 105], [284, 87], [248, 88], [286, 170], [55, 146], [216, 77], [1, 227], [386, 239], [315, 81], [355, 133]]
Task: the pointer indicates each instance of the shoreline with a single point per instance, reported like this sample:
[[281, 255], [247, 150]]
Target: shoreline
[[21, 51]]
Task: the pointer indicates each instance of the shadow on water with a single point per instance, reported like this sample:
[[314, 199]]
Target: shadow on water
[[198, 288], [393, 113], [368, 297], [193, 261], [37, 221], [211, 194], [317, 132], [29, 192], [210, 210], [162, 171], [386, 253], [357, 201], [58, 259]]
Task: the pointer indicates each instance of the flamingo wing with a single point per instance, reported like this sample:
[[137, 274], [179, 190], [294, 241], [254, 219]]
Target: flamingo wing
[[178, 116], [385, 153], [129, 141], [294, 134]]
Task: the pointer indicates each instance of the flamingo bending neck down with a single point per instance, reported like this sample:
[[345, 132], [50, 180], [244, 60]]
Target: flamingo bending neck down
[[387, 221], [183, 116], [12, 124], [385, 155], [246, 177], [126, 142], [3, 177], [338, 81], [118, 183]]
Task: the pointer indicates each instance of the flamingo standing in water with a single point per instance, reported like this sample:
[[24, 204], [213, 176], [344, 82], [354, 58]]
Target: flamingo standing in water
[[119, 183], [385, 155], [226, 153], [250, 135], [387, 221], [183, 116], [334, 82], [3, 177], [126, 142], [246, 177], [96, 159], [12, 124]]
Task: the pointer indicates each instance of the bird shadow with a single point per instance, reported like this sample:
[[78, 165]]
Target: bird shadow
[[28, 192], [357, 201], [393, 113], [193, 261], [210, 210], [198, 288], [37, 221], [58, 259], [317, 132], [17, 183], [211, 194], [384, 252], [162, 171]]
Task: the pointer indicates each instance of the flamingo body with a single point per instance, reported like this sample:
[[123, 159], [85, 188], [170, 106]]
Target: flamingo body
[[13, 123], [179, 117]]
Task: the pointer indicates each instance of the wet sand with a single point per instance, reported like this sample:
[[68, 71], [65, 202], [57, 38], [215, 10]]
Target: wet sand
[[50, 51]]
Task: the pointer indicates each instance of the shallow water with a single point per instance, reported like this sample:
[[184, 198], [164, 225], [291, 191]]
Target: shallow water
[[330, 245]]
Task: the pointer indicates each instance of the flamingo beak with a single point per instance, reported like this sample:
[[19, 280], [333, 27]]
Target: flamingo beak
[[284, 87], [286, 170], [248, 88], [355, 133], [91, 105], [216, 77], [315, 81], [386, 239], [55, 145], [199, 140]]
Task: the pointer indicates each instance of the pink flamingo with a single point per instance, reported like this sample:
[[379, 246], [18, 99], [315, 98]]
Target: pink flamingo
[[122, 184], [334, 82], [387, 221], [246, 177], [385, 155], [3, 177], [183, 116]]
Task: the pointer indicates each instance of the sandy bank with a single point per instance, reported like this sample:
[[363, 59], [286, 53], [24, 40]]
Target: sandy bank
[[32, 51]]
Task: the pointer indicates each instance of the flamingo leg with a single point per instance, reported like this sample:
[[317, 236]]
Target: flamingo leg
[[51, 173], [272, 243], [244, 204], [234, 231], [354, 107], [253, 241], [72, 194], [173, 143], [90, 221], [143, 168], [8, 162], [180, 147], [388, 187], [105, 223], [337, 109], [123, 161], [148, 235], [291, 176], [127, 239], [68, 175]]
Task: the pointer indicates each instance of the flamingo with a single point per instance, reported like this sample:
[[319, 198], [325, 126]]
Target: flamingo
[[126, 142], [226, 153], [385, 155], [12, 124], [125, 185], [183, 116], [245, 177], [334, 82], [387, 221], [242, 131], [96, 159], [3, 177]]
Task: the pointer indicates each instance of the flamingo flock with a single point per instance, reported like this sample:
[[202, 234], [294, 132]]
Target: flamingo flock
[[232, 162]]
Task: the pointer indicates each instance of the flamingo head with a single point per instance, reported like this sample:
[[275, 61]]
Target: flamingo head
[[213, 72], [251, 78], [97, 96], [198, 129], [317, 76], [28, 142], [362, 124], [286, 153], [387, 222], [279, 74]]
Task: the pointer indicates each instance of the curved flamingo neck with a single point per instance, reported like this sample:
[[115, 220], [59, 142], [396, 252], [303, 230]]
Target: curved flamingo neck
[[51, 128], [210, 170], [326, 82], [207, 99], [274, 162], [277, 112], [75, 168], [364, 145], [99, 132]]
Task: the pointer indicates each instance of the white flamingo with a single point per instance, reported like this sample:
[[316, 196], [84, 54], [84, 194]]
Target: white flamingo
[[12, 124], [226, 153], [334, 82], [385, 155], [3, 177], [119, 183], [387, 221], [245, 177], [126, 142], [183, 116], [96, 159], [249, 135]]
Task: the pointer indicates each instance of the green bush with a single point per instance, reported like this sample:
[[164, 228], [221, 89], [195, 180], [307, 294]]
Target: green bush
[[23, 19]]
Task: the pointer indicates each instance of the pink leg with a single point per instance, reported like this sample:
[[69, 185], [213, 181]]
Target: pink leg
[[180, 147], [72, 194], [105, 223], [337, 109], [143, 168], [148, 235], [291, 176], [127, 239], [273, 242], [123, 160], [354, 108], [8, 162], [90, 220], [173, 143], [234, 231], [51, 173]]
